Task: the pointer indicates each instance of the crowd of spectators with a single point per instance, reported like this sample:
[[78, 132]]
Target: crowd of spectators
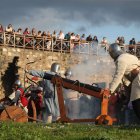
[[34, 38]]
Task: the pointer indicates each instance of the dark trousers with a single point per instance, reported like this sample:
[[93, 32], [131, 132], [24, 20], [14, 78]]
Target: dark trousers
[[136, 107]]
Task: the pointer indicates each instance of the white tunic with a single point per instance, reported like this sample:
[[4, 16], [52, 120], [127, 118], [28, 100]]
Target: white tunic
[[124, 65]]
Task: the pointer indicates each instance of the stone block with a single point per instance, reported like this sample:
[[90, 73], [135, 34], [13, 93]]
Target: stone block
[[40, 54], [30, 52], [26, 56], [19, 50], [49, 57], [4, 49], [10, 54], [13, 50]]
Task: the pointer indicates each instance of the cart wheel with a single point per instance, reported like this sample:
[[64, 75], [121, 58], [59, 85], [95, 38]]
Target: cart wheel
[[14, 113]]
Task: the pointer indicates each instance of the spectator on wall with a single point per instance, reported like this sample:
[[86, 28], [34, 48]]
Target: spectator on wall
[[60, 35], [9, 30], [122, 43], [34, 32], [17, 34], [61, 45], [48, 34], [95, 40], [89, 38], [26, 31], [118, 40], [44, 35], [72, 39], [38, 42], [72, 36], [54, 37], [27, 39], [83, 39], [67, 36], [104, 43], [1, 35], [1, 28], [48, 41], [76, 41], [19, 31], [131, 48], [39, 34], [132, 41], [77, 38]]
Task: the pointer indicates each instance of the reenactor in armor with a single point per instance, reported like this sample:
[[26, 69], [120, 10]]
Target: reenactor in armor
[[127, 72], [51, 107], [71, 99]]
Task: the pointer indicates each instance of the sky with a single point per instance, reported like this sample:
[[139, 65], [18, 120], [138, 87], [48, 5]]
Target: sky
[[103, 18]]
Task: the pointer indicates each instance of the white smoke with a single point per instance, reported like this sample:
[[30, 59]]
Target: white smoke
[[99, 63], [95, 68]]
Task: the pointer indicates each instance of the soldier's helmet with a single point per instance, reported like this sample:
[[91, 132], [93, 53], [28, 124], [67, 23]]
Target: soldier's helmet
[[115, 50], [55, 67], [68, 73], [17, 82]]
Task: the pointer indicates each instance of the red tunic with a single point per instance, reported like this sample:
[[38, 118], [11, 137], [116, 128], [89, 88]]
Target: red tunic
[[23, 99]]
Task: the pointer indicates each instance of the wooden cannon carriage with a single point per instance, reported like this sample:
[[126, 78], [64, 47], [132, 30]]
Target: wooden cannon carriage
[[17, 114]]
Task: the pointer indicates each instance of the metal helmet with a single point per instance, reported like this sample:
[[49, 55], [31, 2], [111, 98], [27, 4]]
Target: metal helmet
[[17, 82], [39, 88], [55, 67], [68, 73], [115, 50]]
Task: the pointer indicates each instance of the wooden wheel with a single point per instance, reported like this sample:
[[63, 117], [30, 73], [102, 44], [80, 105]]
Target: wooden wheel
[[14, 113]]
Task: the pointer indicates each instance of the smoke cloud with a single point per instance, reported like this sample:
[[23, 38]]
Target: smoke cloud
[[96, 68]]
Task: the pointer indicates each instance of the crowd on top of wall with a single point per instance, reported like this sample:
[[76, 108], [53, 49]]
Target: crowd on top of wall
[[46, 40]]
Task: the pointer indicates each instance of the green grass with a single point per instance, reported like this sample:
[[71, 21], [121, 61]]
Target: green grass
[[30, 131]]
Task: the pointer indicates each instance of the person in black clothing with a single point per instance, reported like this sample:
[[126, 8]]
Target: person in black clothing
[[132, 42], [89, 38]]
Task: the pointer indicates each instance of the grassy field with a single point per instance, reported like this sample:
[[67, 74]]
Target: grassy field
[[30, 131]]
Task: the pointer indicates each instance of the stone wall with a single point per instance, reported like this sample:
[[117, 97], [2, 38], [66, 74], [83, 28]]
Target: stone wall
[[13, 61]]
